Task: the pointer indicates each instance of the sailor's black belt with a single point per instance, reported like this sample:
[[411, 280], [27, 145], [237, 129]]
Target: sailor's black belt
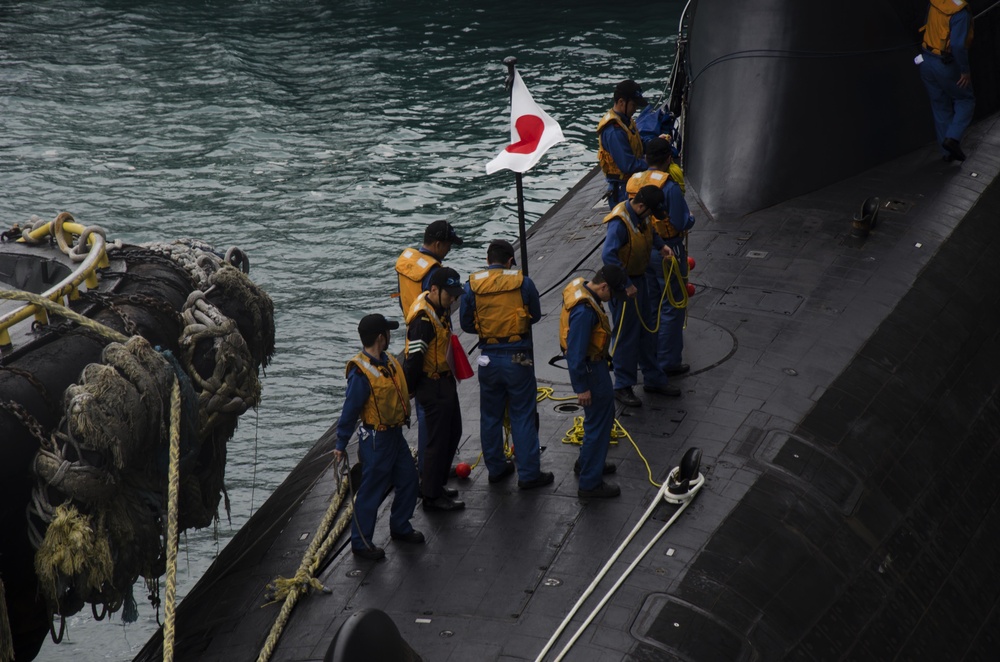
[[380, 428], [489, 349], [439, 375]]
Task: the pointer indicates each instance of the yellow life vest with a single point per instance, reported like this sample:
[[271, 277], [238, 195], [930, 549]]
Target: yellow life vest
[[937, 32], [389, 403], [575, 294], [501, 315], [635, 254], [412, 267], [436, 354], [659, 178], [607, 163]]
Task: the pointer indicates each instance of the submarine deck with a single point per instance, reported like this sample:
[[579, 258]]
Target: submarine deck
[[844, 396]]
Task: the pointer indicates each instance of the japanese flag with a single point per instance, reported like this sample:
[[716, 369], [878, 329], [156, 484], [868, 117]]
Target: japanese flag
[[532, 132]]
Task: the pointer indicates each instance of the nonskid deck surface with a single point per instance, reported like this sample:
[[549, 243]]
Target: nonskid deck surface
[[787, 343]]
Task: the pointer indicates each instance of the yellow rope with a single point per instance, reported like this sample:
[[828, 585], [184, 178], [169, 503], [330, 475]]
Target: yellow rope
[[62, 311], [682, 303], [169, 602], [290, 590]]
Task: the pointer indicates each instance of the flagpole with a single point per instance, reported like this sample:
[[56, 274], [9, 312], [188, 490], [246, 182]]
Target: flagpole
[[511, 62]]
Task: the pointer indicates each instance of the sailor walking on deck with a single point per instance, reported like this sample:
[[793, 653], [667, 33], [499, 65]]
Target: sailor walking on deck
[[672, 222], [500, 304], [378, 395], [585, 336], [619, 146], [946, 74], [428, 339], [628, 243], [414, 267]]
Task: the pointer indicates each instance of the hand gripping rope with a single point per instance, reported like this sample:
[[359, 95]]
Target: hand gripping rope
[[682, 485], [673, 272]]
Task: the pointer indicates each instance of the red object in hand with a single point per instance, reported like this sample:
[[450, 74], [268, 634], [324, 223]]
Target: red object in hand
[[691, 263], [462, 470], [691, 289], [458, 361]]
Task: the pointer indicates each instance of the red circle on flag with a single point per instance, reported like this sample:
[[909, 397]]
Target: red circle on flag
[[530, 129]]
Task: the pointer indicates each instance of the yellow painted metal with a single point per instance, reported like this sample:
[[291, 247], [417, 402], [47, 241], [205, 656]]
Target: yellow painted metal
[[86, 272]]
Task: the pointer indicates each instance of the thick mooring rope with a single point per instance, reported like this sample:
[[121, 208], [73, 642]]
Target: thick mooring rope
[[290, 590], [60, 310], [170, 599]]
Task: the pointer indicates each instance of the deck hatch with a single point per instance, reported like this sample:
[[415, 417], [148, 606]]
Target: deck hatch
[[804, 461], [672, 625], [761, 300]]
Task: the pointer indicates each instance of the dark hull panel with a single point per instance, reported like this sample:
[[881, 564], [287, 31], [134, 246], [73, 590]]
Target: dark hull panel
[[788, 96]]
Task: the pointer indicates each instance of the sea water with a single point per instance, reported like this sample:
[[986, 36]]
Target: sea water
[[320, 137]]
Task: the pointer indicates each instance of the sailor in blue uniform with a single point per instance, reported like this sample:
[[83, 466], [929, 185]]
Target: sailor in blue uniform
[[500, 304], [584, 336], [619, 146], [414, 268], [377, 394], [945, 72], [627, 244], [672, 223]]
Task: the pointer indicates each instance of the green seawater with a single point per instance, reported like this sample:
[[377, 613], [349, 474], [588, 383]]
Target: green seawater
[[320, 137]]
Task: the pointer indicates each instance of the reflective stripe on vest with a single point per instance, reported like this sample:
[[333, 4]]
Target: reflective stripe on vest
[[436, 354], [573, 295], [412, 267], [501, 315], [604, 158], [635, 254], [388, 405]]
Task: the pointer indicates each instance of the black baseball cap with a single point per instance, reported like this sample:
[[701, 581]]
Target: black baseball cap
[[630, 91], [441, 231], [447, 279], [373, 325], [614, 276]]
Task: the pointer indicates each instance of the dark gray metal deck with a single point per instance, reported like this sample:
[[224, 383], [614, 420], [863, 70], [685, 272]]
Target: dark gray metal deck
[[844, 395]]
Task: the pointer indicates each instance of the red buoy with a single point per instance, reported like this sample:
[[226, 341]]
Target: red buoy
[[462, 470], [691, 263], [691, 289]]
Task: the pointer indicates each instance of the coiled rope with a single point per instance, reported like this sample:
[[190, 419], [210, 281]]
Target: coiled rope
[[574, 435]]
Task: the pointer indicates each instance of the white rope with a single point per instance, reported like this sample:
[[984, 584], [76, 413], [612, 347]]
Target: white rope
[[684, 500]]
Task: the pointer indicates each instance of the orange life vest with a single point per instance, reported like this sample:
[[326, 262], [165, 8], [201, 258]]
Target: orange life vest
[[635, 254], [436, 354], [501, 315], [937, 31], [389, 403], [573, 295], [412, 267], [604, 158]]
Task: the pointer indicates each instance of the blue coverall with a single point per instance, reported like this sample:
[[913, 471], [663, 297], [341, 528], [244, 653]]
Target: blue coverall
[[503, 383], [633, 346], [951, 105], [615, 141], [670, 339], [385, 461], [593, 376]]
